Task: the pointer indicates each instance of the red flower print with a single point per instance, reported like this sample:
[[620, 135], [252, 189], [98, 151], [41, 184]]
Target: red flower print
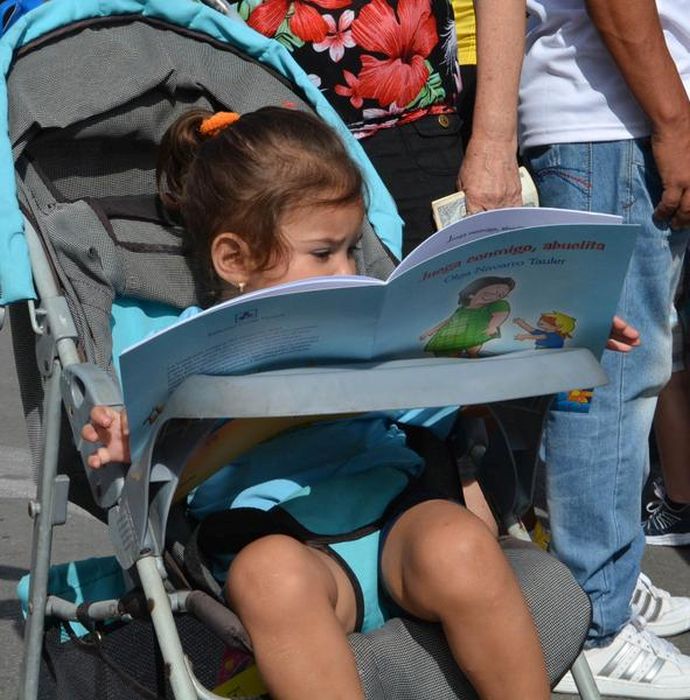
[[339, 38], [405, 40], [305, 23], [350, 90]]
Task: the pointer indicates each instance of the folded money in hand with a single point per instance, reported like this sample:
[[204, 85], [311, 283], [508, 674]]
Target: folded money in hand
[[452, 208]]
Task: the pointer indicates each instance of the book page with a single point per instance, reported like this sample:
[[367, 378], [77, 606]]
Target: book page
[[306, 285], [249, 334], [489, 223], [530, 288]]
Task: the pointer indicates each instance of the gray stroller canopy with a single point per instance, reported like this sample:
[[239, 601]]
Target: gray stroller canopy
[[88, 105]]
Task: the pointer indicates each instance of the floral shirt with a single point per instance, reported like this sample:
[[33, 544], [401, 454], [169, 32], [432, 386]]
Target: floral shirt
[[378, 62]]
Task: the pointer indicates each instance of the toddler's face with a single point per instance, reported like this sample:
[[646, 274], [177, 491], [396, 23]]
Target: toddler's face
[[489, 294], [547, 323], [319, 241]]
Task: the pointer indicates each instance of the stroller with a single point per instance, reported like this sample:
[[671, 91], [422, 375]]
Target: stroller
[[88, 263]]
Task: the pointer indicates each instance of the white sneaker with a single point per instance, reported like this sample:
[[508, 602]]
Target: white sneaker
[[663, 614], [636, 664]]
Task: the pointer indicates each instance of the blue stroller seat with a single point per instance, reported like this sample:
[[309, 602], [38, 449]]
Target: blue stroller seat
[[86, 256]]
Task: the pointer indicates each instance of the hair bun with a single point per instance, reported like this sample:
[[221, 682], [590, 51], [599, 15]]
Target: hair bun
[[213, 125]]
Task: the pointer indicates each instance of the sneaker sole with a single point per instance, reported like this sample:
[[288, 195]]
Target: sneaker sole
[[674, 540], [625, 689]]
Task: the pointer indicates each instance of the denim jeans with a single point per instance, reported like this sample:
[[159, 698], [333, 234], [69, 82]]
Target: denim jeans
[[597, 462]]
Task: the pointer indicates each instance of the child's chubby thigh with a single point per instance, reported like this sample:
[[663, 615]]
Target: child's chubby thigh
[[278, 577]]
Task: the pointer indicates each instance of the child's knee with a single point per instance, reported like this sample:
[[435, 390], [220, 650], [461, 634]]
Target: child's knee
[[459, 548], [274, 571]]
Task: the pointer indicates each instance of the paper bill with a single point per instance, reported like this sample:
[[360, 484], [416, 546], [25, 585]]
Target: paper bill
[[530, 198], [451, 208]]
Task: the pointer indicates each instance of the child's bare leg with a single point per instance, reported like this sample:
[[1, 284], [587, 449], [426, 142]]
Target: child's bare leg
[[297, 605], [442, 564]]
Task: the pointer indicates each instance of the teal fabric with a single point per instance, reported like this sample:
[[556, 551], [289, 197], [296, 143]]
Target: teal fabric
[[15, 276], [319, 473], [323, 508], [362, 556], [133, 320], [91, 580]]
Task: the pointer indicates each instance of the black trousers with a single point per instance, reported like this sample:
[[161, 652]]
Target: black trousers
[[418, 162]]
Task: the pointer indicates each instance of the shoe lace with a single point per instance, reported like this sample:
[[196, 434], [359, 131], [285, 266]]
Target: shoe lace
[[660, 515], [654, 506], [659, 502], [649, 640]]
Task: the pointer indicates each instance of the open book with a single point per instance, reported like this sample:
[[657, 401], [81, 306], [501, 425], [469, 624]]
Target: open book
[[496, 282]]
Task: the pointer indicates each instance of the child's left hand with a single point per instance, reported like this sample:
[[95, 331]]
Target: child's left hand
[[623, 337]]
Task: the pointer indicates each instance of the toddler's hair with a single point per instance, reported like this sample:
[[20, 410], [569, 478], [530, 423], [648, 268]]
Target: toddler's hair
[[565, 325], [467, 292], [247, 177]]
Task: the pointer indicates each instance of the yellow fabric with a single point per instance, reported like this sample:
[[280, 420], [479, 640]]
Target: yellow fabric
[[466, 29]]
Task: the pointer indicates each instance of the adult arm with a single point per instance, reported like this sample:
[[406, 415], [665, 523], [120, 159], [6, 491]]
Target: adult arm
[[489, 174], [497, 318], [631, 31], [524, 325]]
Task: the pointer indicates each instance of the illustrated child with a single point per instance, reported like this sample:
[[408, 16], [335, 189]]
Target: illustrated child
[[552, 330], [482, 309], [268, 197]]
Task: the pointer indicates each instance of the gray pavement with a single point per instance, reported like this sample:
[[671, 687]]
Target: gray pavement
[[84, 536], [81, 537]]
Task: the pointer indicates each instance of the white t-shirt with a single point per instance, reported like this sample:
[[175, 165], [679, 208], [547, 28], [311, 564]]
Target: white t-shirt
[[571, 90]]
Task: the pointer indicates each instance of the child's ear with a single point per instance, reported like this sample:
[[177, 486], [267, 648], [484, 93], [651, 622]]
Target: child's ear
[[231, 258]]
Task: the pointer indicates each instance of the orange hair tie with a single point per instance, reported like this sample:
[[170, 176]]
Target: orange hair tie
[[212, 126]]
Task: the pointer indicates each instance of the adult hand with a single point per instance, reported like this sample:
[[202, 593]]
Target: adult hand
[[671, 148], [489, 175]]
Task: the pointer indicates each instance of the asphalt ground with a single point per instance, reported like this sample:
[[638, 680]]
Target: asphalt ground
[[83, 536]]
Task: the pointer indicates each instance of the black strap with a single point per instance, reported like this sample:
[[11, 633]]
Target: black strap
[[228, 531], [441, 470], [137, 208]]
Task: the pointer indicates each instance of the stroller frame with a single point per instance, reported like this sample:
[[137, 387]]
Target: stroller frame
[[137, 528]]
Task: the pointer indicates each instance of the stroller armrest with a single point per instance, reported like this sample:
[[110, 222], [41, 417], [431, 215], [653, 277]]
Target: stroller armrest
[[137, 522], [84, 386], [390, 385]]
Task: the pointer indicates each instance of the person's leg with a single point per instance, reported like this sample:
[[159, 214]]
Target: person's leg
[[671, 424], [440, 563], [597, 461], [667, 521], [297, 605], [477, 504]]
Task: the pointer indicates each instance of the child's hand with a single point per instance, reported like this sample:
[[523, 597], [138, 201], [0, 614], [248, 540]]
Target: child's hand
[[108, 427], [623, 336]]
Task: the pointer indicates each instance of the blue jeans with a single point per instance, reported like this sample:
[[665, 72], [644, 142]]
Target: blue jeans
[[597, 462]]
